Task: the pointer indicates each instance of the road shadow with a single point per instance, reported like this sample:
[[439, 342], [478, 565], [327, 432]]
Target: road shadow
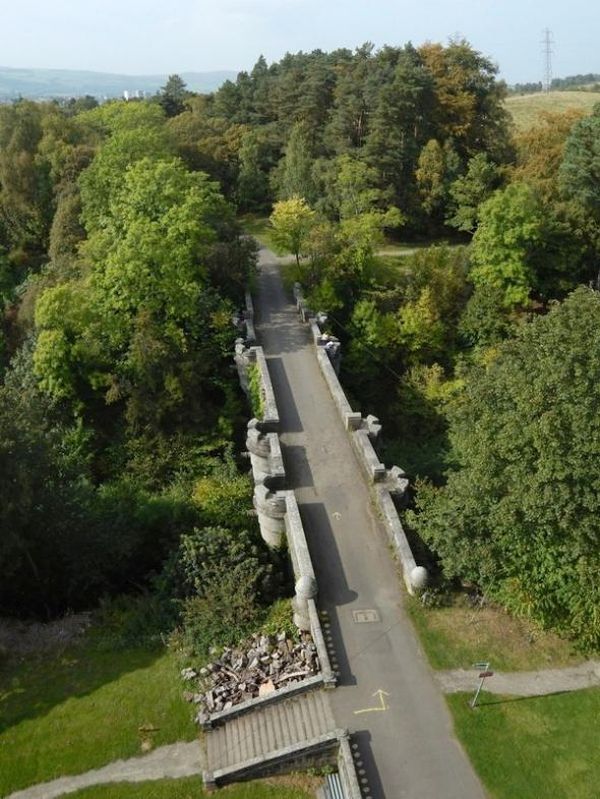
[[286, 405], [55, 677], [506, 700], [331, 579], [297, 467], [364, 761]]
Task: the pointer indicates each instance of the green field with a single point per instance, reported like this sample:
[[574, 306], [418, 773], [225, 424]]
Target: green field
[[191, 788], [67, 713], [533, 748], [525, 108]]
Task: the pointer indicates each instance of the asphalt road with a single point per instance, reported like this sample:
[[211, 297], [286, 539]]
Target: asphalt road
[[387, 696]]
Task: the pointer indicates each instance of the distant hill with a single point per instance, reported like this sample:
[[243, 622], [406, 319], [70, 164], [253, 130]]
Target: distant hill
[[45, 83], [525, 108]]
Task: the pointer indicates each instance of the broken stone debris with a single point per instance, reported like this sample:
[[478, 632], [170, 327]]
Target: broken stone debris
[[259, 666]]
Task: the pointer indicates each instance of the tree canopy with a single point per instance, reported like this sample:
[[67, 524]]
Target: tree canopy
[[520, 512]]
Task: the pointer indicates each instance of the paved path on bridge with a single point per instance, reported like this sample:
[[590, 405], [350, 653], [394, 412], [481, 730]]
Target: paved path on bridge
[[387, 695]]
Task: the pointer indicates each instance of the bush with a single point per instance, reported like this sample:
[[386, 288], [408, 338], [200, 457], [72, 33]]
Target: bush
[[257, 402], [224, 613]]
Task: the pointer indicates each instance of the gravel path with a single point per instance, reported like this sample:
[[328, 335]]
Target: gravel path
[[174, 760], [524, 683]]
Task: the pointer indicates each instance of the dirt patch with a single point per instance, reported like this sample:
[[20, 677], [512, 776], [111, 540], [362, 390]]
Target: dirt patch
[[20, 639], [300, 780]]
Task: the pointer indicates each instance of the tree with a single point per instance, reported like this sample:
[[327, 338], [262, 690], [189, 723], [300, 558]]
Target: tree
[[580, 169], [471, 190], [431, 174], [356, 187], [144, 328], [469, 102], [518, 245], [252, 183], [295, 170], [519, 513], [540, 153], [173, 95], [26, 196], [291, 222], [134, 131], [400, 125]]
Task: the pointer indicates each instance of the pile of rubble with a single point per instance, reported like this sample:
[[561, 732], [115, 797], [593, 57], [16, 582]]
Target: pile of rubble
[[261, 665]]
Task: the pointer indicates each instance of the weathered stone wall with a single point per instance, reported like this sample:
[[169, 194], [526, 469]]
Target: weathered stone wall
[[387, 483], [346, 769], [276, 508]]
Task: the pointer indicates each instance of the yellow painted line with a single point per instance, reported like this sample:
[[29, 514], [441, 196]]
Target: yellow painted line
[[382, 705]]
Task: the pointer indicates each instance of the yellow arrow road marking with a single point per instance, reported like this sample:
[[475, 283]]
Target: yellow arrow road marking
[[380, 693]]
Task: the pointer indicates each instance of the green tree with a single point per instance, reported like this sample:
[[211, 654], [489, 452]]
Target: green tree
[[580, 169], [133, 131], [145, 327], [26, 198], [519, 514], [356, 187], [291, 222], [518, 245], [469, 191], [173, 95], [431, 174], [400, 125], [295, 170], [252, 182]]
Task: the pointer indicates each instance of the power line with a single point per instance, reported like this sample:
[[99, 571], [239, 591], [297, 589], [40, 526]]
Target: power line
[[547, 51]]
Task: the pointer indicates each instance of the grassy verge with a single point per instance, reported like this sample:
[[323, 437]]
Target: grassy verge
[[460, 635], [67, 713], [191, 788], [529, 748]]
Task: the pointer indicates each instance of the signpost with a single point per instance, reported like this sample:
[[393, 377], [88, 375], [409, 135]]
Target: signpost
[[484, 671]]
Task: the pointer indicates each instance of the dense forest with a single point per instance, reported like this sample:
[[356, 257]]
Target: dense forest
[[121, 262]]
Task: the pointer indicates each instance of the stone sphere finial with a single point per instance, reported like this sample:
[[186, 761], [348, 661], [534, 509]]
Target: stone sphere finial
[[418, 578]]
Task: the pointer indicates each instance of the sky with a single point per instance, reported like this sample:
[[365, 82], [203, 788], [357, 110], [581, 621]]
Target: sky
[[166, 36]]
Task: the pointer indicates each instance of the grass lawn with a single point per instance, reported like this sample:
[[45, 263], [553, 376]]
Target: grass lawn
[[525, 108], [459, 635], [80, 709], [191, 788], [533, 748]]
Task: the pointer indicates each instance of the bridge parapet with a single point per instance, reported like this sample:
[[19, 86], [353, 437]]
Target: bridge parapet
[[389, 484]]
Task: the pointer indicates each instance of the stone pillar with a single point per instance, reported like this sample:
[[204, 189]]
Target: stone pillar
[[306, 588], [270, 509], [242, 362], [257, 444]]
